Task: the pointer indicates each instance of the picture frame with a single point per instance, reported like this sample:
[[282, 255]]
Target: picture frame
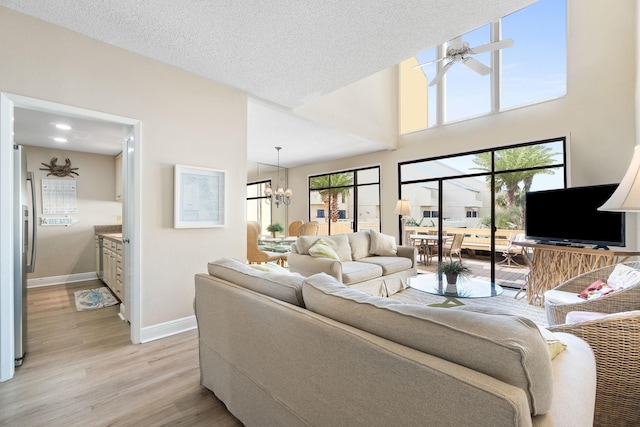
[[199, 197]]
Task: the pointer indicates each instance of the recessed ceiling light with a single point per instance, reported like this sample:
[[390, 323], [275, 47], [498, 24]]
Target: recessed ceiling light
[[60, 139], [63, 126]]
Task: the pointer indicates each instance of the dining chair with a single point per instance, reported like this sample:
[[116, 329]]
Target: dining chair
[[294, 228], [255, 255], [309, 229]]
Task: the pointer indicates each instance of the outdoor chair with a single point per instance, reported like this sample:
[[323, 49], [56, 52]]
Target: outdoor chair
[[511, 251], [455, 249], [255, 255], [621, 300], [615, 341]]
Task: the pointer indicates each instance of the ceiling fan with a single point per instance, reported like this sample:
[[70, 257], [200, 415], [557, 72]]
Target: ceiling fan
[[459, 51]]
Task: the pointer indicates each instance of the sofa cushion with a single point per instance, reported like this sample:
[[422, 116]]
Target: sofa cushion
[[504, 346], [285, 287], [382, 244], [322, 249], [359, 242], [389, 264], [339, 243], [356, 272]]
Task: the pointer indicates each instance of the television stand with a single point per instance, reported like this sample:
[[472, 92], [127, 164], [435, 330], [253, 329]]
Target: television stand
[[550, 265]]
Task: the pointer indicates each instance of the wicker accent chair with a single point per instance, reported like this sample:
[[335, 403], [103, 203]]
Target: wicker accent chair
[[623, 300], [309, 229], [255, 255], [615, 341]]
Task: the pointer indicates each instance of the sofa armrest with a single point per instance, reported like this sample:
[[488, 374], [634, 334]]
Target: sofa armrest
[[408, 252], [307, 265]]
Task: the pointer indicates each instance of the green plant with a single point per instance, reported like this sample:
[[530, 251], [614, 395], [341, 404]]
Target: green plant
[[453, 267], [274, 228]]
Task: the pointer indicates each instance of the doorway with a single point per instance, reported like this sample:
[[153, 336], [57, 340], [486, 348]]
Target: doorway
[[131, 213]]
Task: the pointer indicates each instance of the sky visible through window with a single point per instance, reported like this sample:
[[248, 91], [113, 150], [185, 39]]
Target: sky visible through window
[[533, 70]]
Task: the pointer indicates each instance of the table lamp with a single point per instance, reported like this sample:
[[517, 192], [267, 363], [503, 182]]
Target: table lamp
[[626, 198], [403, 209]]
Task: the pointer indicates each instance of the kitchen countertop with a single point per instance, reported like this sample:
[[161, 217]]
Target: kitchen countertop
[[113, 232], [113, 236]]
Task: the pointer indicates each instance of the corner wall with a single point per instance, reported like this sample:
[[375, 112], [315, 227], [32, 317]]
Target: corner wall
[[185, 120]]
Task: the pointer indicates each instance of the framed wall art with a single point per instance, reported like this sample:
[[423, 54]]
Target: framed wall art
[[199, 197]]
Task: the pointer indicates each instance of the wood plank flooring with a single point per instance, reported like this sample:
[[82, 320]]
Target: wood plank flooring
[[82, 370]]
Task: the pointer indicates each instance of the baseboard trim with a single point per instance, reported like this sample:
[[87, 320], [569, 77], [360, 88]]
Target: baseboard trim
[[166, 329], [58, 280]]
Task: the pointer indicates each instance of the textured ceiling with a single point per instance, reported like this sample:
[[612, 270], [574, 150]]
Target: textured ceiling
[[284, 52]]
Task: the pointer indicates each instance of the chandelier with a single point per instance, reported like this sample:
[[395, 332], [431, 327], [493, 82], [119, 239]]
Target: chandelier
[[280, 196]]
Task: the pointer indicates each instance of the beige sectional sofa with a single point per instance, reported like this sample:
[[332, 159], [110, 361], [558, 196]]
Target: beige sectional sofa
[[284, 350], [367, 260]]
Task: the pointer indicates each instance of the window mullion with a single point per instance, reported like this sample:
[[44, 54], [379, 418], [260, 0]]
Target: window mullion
[[441, 101], [496, 67]]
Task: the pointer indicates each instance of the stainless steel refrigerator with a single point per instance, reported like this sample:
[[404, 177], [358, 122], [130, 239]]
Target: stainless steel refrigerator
[[25, 245]]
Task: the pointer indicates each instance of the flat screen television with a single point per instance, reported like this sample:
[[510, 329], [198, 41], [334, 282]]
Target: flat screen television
[[570, 216]]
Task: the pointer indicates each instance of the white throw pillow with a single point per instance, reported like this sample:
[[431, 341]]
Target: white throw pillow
[[623, 276], [382, 244]]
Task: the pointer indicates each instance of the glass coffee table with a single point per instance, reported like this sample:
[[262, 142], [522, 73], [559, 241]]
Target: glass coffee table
[[466, 287]]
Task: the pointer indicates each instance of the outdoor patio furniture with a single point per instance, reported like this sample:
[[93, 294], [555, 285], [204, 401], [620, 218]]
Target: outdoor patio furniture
[[615, 341], [511, 251], [621, 300], [455, 249]]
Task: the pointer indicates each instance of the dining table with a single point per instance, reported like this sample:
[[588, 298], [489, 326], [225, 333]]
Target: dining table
[[427, 242]]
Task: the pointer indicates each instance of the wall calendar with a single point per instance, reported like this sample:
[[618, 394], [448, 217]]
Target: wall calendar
[[59, 196]]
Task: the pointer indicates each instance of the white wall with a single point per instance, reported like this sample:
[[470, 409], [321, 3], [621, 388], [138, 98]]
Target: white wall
[[185, 120], [598, 113], [63, 250]]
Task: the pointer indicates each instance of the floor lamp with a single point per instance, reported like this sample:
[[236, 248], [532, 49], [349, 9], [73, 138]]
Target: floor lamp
[[403, 209]]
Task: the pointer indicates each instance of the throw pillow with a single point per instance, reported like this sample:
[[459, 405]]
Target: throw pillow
[[382, 244], [271, 267], [554, 345], [596, 290], [623, 276], [322, 249]]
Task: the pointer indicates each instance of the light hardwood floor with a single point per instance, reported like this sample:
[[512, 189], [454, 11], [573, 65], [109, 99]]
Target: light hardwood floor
[[82, 370]]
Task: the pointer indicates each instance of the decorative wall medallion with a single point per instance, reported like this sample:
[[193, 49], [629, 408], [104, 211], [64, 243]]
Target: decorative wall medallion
[[59, 170]]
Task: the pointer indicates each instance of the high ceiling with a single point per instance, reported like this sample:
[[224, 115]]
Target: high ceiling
[[282, 53]]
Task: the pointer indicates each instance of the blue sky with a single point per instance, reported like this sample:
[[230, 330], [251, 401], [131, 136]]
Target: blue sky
[[533, 70]]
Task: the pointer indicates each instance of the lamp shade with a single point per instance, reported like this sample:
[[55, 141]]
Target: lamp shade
[[402, 208], [626, 198]]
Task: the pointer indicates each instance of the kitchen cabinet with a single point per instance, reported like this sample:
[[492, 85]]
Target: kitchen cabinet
[[110, 265], [119, 181]]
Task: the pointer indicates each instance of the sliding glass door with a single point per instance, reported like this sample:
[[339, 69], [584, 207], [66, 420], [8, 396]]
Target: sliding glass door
[[479, 195]]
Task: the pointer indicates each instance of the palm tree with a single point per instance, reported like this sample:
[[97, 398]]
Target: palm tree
[[507, 186], [331, 188], [515, 159]]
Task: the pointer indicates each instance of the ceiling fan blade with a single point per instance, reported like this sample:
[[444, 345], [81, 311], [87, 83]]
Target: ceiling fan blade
[[477, 66], [502, 44], [426, 63], [438, 76], [455, 43]]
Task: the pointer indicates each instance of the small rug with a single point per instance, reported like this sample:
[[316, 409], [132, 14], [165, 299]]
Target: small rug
[[91, 299], [506, 302]]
